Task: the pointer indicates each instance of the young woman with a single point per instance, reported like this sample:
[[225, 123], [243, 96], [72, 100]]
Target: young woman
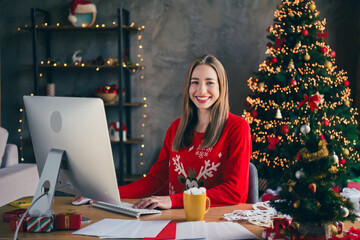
[[207, 147]]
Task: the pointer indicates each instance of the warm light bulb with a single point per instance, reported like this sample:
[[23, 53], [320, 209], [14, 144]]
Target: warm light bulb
[[144, 98], [21, 110]]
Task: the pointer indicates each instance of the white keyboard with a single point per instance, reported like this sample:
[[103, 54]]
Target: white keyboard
[[124, 208]]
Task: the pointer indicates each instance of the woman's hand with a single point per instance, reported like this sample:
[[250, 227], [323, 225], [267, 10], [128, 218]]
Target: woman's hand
[[163, 202]]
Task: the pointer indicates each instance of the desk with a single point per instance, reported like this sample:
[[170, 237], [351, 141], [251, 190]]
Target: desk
[[95, 214]]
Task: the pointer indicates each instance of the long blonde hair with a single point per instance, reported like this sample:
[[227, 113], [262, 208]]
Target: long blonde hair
[[219, 110]]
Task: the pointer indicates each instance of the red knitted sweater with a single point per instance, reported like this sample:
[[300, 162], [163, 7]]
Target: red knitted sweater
[[222, 169]]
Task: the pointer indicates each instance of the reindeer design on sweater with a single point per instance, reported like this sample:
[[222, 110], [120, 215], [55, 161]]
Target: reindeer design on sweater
[[192, 179]]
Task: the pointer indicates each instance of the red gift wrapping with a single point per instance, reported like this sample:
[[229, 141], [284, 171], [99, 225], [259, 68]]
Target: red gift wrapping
[[67, 221], [17, 213], [14, 222]]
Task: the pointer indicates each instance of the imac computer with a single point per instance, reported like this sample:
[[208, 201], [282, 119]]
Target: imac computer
[[72, 149]]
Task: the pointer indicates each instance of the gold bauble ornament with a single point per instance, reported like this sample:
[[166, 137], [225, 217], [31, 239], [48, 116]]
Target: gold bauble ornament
[[310, 17], [328, 64], [312, 7], [296, 204], [298, 44], [261, 86], [279, 6], [306, 57], [347, 103], [346, 151], [291, 15], [333, 229]]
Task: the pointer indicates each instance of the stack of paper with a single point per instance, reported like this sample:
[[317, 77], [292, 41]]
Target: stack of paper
[[117, 228]]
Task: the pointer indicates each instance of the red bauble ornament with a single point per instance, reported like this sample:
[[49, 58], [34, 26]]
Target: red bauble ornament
[[254, 113], [292, 82], [268, 45], [273, 60], [298, 156], [253, 137], [325, 122], [342, 161], [305, 32], [346, 83], [333, 54], [284, 129], [247, 104], [254, 80], [323, 49]]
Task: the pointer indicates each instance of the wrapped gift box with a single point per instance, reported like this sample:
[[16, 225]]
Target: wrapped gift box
[[67, 221], [17, 213], [34, 224]]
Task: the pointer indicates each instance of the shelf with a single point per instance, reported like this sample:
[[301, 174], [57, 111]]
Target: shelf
[[72, 66], [128, 104], [130, 141], [72, 28]]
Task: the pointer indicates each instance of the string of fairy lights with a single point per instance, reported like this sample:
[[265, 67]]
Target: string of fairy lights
[[332, 79], [138, 66]]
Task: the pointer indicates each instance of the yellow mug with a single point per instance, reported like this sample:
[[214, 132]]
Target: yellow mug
[[196, 206]]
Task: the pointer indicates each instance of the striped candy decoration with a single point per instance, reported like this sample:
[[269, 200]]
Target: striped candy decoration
[[40, 224]]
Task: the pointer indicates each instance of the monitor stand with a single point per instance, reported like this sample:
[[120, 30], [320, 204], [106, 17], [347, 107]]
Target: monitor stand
[[48, 179]]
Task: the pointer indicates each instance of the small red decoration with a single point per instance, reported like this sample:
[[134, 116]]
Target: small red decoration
[[322, 137], [107, 89], [284, 129], [298, 156], [322, 36], [346, 83], [254, 113], [305, 32], [312, 187], [254, 80], [268, 45], [292, 82], [273, 60], [325, 122], [342, 161], [279, 42], [333, 54], [253, 137], [273, 141], [247, 104], [323, 49]]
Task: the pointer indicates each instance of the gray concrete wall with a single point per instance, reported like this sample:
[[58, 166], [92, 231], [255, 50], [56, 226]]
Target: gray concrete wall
[[176, 32]]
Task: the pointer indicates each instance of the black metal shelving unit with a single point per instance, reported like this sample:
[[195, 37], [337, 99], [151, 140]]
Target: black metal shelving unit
[[122, 30]]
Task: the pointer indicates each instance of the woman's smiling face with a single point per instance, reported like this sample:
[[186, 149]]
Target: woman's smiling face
[[204, 87]]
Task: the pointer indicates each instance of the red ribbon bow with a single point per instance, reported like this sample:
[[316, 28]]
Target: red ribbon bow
[[279, 42], [323, 36], [314, 101], [273, 141]]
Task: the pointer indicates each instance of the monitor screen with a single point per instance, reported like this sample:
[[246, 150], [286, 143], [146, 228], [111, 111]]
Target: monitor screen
[[79, 127]]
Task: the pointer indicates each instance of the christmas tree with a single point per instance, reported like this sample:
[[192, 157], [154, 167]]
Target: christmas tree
[[304, 129], [298, 96]]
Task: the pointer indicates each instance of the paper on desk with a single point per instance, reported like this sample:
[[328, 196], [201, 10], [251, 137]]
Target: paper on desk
[[99, 227], [118, 228], [227, 231], [191, 230], [136, 229]]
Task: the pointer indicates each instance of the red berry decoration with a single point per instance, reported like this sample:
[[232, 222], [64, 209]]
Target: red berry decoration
[[254, 113], [292, 82], [247, 104], [284, 129], [273, 60], [342, 161], [305, 32], [346, 83], [323, 49], [333, 54], [325, 122]]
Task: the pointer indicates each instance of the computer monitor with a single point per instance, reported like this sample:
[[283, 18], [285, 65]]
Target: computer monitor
[[74, 128]]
